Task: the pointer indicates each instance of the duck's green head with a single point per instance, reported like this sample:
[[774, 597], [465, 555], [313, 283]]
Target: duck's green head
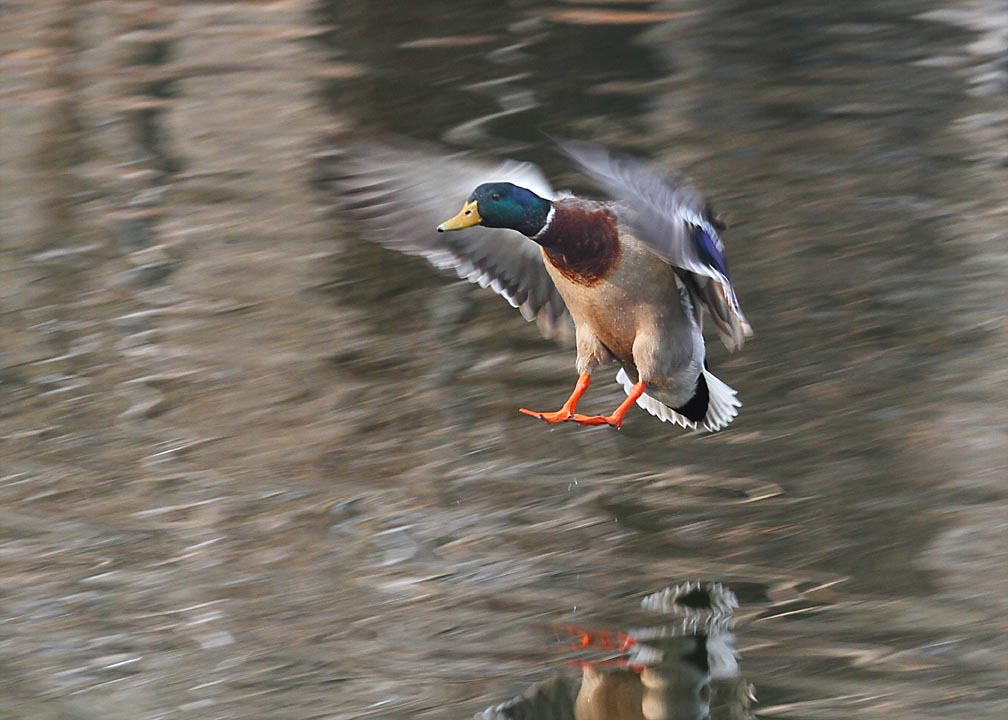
[[501, 205]]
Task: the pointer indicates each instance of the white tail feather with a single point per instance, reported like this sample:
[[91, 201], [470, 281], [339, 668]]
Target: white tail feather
[[723, 404], [721, 408]]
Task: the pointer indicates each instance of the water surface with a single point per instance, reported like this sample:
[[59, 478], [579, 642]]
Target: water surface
[[253, 466]]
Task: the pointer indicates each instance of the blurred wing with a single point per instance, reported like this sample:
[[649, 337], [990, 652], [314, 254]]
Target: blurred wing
[[670, 216], [400, 196]]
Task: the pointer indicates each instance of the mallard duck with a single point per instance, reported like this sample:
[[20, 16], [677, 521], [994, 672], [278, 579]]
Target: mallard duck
[[634, 274]]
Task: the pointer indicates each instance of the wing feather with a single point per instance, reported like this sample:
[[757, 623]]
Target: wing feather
[[399, 195], [671, 217]]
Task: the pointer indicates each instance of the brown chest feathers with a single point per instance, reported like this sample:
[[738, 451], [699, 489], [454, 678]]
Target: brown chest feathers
[[582, 243]]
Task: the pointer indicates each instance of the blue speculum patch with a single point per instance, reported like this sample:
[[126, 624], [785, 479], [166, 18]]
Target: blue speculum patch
[[709, 252]]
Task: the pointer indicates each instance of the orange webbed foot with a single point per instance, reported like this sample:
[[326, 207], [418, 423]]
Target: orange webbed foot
[[567, 411], [616, 419], [610, 420], [549, 417]]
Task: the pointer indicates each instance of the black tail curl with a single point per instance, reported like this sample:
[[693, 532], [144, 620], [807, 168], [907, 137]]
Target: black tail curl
[[695, 408]]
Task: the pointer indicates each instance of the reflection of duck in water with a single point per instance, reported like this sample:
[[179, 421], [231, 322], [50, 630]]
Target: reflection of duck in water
[[686, 669], [635, 276]]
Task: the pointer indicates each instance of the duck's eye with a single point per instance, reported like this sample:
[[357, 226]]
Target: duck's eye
[[495, 196]]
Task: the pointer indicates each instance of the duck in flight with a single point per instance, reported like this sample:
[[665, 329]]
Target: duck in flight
[[635, 274]]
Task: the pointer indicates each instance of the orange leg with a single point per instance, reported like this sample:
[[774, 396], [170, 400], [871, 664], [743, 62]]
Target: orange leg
[[567, 411], [616, 419]]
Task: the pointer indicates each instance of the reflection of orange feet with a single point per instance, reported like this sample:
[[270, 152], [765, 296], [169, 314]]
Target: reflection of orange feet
[[604, 639], [619, 641], [549, 417]]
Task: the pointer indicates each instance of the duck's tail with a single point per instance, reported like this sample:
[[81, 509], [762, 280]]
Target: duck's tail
[[714, 404]]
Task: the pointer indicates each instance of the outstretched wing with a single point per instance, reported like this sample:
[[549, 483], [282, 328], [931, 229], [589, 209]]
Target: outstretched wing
[[670, 216], [398, 196]]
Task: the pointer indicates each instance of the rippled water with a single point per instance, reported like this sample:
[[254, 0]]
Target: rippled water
[[251, 466]]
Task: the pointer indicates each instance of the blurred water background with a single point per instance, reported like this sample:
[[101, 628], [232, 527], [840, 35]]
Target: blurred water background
[[252, 467]]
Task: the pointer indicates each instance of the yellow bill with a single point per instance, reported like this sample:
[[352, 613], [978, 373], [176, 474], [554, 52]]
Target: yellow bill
[[467, 217]]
